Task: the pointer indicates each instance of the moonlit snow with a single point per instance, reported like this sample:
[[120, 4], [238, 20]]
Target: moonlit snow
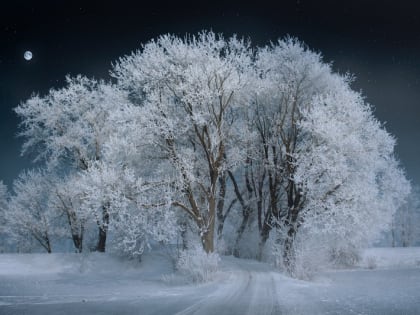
[[386, 282], [27, 55]]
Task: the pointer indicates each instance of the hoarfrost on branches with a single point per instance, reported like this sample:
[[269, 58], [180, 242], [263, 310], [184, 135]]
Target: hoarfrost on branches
[[266, 144], [27, 216]]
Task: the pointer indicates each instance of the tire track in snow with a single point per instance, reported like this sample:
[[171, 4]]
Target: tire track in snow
[[249, 290]]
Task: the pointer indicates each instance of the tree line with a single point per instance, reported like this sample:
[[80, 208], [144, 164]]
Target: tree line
[[210, 139]]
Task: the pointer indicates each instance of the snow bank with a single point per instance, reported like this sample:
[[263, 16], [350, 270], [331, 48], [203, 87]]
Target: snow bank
[[31, 264], [92, 263], [387, 257], [104, 284]]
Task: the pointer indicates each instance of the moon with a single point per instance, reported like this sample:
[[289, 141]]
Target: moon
[[27, 55]]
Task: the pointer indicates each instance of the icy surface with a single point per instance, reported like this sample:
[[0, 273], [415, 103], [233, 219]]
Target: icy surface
[[386, 282]]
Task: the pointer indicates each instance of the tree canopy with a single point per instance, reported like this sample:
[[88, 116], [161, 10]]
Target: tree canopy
[[203, 132]]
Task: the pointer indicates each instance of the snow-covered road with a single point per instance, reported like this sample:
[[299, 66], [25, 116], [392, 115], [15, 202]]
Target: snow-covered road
[[249, 289], [242, 287], [42, 286]]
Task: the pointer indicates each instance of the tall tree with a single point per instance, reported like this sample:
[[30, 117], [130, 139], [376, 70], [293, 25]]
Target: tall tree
[[289, 76], [350, 178], [320, 162], [190, 93]]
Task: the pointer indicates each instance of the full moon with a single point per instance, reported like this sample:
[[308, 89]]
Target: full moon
[[27, 55]]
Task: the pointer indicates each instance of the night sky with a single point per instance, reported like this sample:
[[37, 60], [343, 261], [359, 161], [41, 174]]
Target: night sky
[[377, 41]]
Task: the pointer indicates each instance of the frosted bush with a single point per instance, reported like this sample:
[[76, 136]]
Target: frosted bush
[[197, 265], [308, 263], [311, 257], [344, 255]]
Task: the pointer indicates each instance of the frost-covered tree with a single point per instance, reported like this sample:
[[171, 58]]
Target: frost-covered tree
[[28, 216], [405, 230], [68, 127], [261, 140], [71, 123], [66, 198], [350, 178], [189, 95], [139, 212], [289, 76], [216, 117], [339, 175], [319, 163]]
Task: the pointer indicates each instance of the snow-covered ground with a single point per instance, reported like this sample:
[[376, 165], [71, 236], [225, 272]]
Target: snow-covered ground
[[387, 281]]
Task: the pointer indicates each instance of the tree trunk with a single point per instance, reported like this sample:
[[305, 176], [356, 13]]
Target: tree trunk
[[221, 206], [208, 240], [100, 247], [273, 212], [49, 249], [289, 257], [184, 240], [78, 242], [76, 233], [240, 232], [294, 203], [264, 234], [393, 235], [103, 229]]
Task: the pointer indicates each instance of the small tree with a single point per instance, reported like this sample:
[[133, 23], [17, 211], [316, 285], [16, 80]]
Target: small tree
[[405, 228], [139, 212], [28, 213], [66, 197], [68, 127]]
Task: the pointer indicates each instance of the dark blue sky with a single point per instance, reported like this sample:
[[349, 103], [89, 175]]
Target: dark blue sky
[[378, 41]]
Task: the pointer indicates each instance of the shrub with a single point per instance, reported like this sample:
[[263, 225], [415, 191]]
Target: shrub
[[197, 265]]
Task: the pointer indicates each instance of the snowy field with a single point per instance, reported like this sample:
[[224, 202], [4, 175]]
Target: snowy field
[[387, 281]]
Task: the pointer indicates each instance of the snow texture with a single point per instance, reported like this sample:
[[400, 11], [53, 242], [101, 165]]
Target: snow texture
[[104, 284]]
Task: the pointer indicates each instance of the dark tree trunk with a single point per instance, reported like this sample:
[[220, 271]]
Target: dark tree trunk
[[100, 247], [78, 242], [220, 205], [76, 225], [264, 234], [49, 249], [76, 233], [272, 215], [239, 233], [47, 242], [43, 240], [246, 209], [103, 229]]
